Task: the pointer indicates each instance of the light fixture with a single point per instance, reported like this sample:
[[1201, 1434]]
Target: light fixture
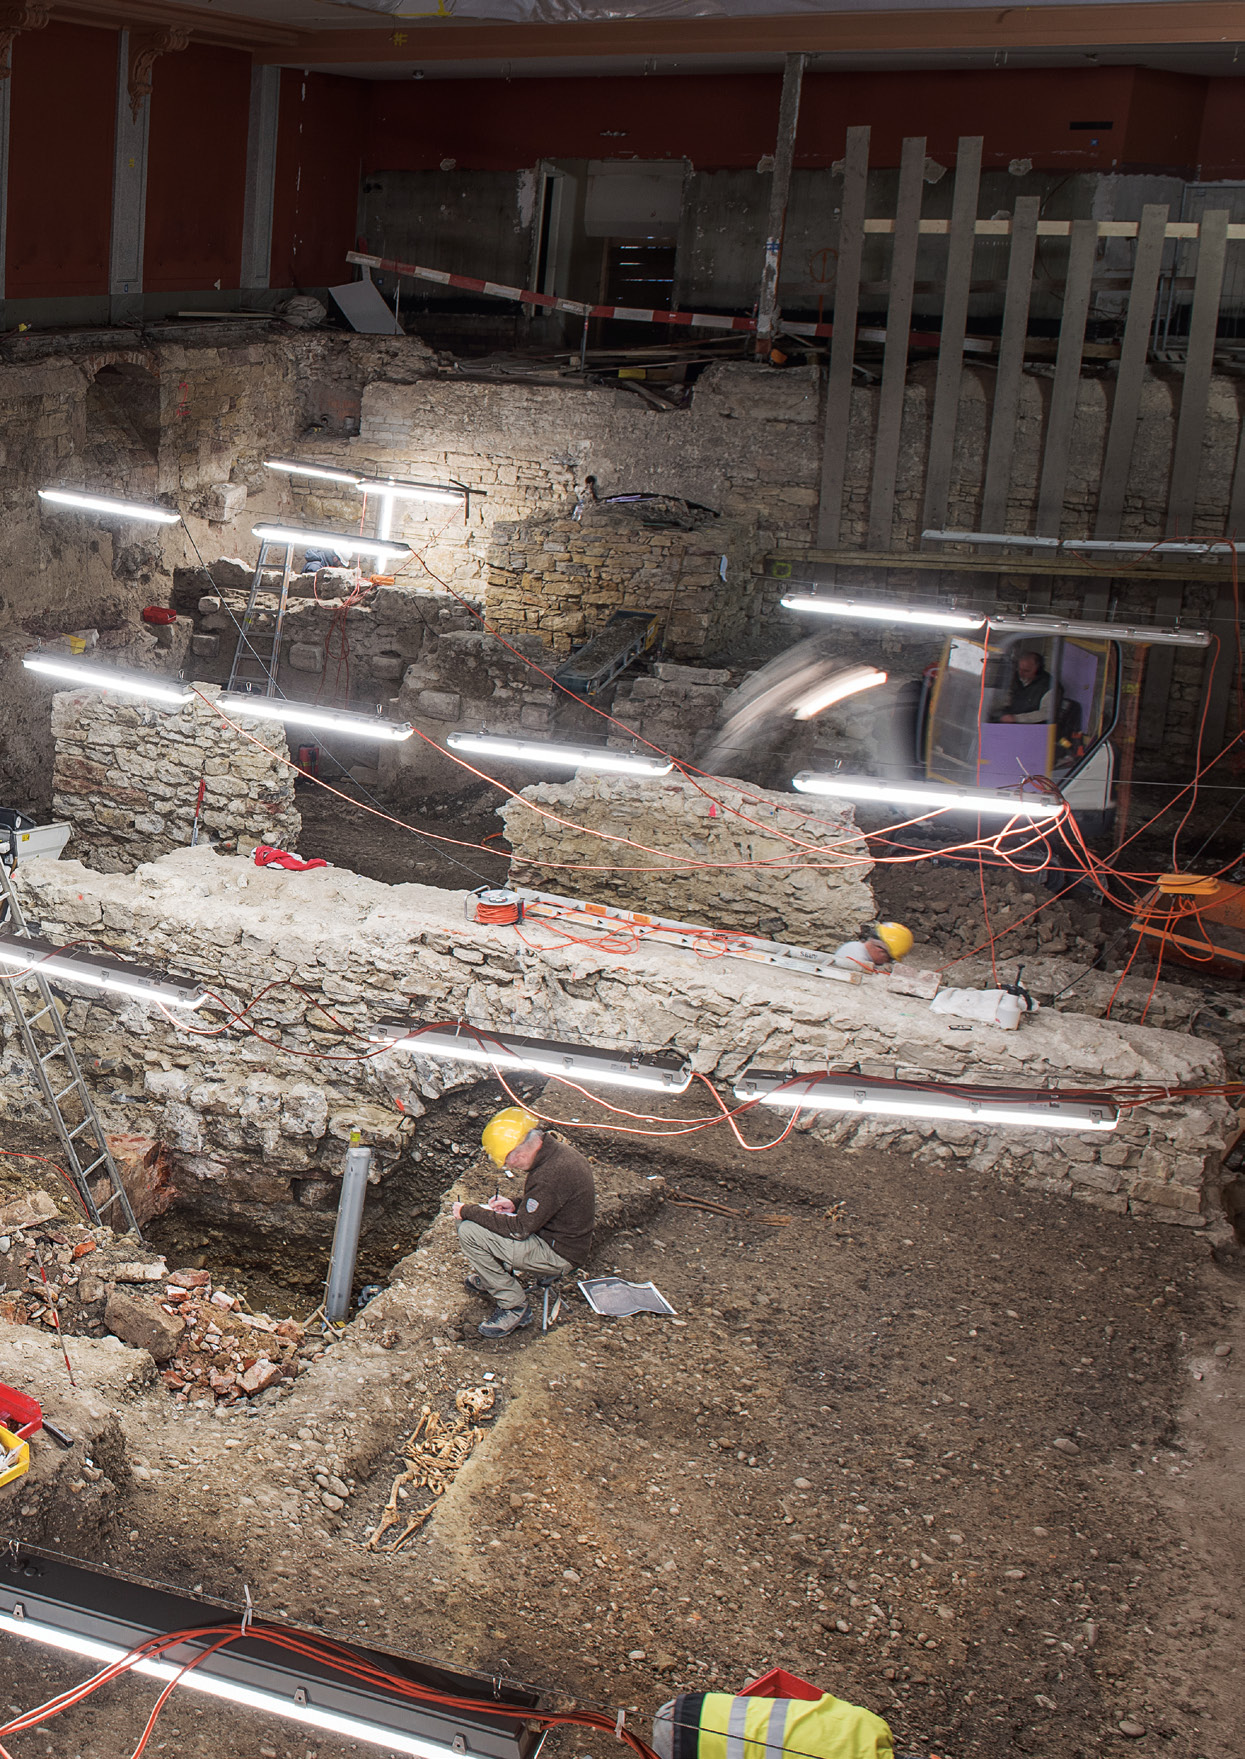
[[847, 683], [323, 472], [139, 510], [151, 687], [852, 1093], [1018, 540], [309, 714], [567, 757], [345, 543], [31, 953], [1156, 637], [462, 1042], [859, 610], [930, 796], [1007, 540], [296, 1708], [410, 491]]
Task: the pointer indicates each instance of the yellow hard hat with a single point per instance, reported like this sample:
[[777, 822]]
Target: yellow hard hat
[[504, 1132], [894, 937]]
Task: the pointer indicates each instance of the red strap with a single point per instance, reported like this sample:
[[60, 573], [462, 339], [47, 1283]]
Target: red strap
[[267, 856]]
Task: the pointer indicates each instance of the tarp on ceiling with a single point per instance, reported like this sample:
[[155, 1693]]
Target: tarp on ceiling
[[604, 11]]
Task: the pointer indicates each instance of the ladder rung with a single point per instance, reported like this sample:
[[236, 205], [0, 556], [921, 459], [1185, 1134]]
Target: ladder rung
[[99, 1161], [34, 1019], [57, 1050], [86, 1124], [109, 1201], [72, 1087]]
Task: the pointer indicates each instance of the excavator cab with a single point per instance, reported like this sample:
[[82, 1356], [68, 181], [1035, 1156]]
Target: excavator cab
[[1032, 704]]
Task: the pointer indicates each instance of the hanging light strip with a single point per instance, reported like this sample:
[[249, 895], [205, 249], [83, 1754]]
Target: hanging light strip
[[99, 971], [322, 472], [851, 1093], [569, 757], [150, 686], [838, 689], [411, 491], [1136, 632], [861, 610], [346, 543], [137, 510], [309, 714], [462, 1042], [930, 795], [1012, 540]]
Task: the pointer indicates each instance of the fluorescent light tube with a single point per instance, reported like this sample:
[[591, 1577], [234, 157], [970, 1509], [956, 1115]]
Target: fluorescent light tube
[[33, 953], [851, 1093], [139, 510], [465, 1043], [410, 491], [848, 683], [930, 795], [568, 757], [231, 1691], [153, 687], [290, 467], [857, 610], [309, 714], [345, 543], [1010, 540], [1157, 637]]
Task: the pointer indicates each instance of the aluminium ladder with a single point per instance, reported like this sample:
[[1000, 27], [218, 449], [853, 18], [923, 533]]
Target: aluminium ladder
[[84, 1143], [257, 657]]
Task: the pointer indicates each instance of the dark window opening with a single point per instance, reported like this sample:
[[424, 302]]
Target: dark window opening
[[1090, 125]]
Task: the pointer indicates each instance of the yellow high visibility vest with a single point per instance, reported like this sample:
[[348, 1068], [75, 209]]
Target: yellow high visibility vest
[[769, 1728]]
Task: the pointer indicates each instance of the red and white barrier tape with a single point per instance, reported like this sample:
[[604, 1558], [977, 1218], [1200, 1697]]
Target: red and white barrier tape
[[629, 313]]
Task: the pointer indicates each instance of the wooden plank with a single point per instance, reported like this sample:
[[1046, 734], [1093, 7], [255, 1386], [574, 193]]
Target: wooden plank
[[1130, 374], [1219, 674], [1236, 502], [1067, 381], [895, 359], [780, 190], [843, 342], [1011, 360], [1212, 252], [954, 324], [1151, 731], [1052, 229], [820, 565]]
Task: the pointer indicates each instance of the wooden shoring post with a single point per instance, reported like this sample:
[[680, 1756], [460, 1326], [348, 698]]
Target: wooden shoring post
[[1061, 415], [1168, 604], [1009, 373], [956, 290], [1131, 371], [1212, 251], [902, 282], [843, 341], [1132, 677], [779, 195], [1219, 675]]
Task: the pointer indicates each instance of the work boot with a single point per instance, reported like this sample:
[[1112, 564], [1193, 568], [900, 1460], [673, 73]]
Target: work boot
[[504, 1320], [475, 1284]]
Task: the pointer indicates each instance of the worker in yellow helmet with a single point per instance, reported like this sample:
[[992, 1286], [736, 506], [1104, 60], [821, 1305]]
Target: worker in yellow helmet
[[546, 1233], [878, 947], [717, 1725]]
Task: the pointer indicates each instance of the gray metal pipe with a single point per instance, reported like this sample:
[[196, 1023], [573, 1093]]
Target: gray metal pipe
[[346, 1233]]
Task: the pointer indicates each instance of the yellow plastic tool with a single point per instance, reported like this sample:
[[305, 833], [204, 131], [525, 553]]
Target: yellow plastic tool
[[14, 1455], [1190, 885]]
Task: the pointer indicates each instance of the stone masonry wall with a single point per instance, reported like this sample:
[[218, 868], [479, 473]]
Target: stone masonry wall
[[721, 870], [246, 1126], [127, 776]]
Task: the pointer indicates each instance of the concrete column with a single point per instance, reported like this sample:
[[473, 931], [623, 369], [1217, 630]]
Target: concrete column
[[261, 173], [5, 84], [129, 197]]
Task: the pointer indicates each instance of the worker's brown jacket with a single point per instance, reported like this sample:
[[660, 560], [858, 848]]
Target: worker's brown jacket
[[558, 1202]]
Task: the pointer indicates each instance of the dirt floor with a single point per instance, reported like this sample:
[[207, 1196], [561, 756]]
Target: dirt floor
[[426, 855], [955, 1451]]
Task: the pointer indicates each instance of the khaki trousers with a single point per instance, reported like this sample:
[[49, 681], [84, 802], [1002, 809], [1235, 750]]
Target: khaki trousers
[[494, 1259]]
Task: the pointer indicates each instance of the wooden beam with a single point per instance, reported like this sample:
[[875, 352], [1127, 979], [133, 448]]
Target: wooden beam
[[812, 566], [1198, 367], [204, 25], [895, 360], [1126, 403], [1139, 24], [1219, 675], [1067, 381], [843, 343], [954, 322], [780, 191], [1011, 359]]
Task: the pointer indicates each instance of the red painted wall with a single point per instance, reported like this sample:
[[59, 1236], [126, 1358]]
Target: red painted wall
[[63, 103], [196, 169], [724, 121], [1221, 149], [319, 160]]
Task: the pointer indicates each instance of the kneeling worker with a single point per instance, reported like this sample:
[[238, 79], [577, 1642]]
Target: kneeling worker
[[549, 1230], [880, 944]]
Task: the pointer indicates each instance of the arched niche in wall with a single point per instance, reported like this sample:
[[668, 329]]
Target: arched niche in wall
[[121, 442]]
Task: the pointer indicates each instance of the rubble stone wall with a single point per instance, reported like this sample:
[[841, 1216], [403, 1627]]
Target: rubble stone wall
[[245, 1125], [126, 777], [704, 854]]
